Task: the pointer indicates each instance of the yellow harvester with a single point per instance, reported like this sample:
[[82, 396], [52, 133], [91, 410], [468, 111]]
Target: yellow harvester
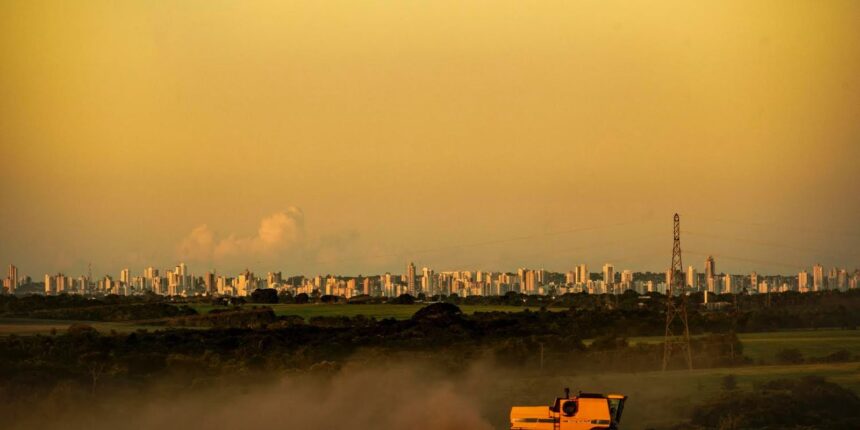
[[585, 411]]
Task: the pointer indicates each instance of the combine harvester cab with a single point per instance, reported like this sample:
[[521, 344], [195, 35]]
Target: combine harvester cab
[[585, 411]]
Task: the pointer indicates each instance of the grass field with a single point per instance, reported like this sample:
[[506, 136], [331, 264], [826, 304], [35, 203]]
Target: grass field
[[31, 326], [651, 392], [400, 312], [811, 343]]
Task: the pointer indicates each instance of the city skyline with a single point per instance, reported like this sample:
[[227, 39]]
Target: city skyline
[[179, 280], [233, 133]]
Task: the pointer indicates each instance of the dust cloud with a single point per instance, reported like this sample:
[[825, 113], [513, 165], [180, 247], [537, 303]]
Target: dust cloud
[[396, 397], [391, 394]]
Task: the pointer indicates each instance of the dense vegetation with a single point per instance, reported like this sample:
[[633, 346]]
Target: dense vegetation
[[806, 403], [80, 308], [252, 341], [628, 314], [33, 365]]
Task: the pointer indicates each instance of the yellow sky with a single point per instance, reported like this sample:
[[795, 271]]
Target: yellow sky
[[361, 135]]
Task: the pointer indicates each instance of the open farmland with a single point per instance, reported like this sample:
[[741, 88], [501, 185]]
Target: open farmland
[[32, 326], [763, 347], [378, 311], [663, 398]]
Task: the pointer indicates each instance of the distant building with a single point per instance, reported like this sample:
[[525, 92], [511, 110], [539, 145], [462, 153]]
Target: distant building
[[817, 277], [209, 284], [410, 278], [12, 283], [692, 278], [125, 277], [710, 267], [608, 274], [803, 281], [626, 279], [728, 284], [582, 275]]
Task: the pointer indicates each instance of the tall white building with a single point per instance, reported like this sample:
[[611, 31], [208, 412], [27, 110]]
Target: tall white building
[[803, 281], [582, 275], [817, 277], [728, 284], [692, 278], [427, 280], [410, 278], [608, 274], [12, 280], [627, 279], [710, 267]]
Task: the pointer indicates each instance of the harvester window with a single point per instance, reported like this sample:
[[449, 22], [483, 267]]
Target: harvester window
[[569, 408]]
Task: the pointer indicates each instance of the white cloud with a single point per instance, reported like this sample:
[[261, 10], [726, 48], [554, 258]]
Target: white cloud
[[279, 232]]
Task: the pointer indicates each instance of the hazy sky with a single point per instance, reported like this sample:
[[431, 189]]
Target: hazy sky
[[353, 136]]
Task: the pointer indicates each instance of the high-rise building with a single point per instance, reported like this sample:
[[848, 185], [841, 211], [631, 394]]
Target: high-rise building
[[13, 279], [50, 289], [274, 279], [582, 276], [365, 286], [209, 283], [817, 277], [387, 285], [803, 281], [608, 274], [427, 280], [728, 285], [753, 280], [842, 280], [244, 283], [410, 278], [63, 283], [627, 279], [570, 277], [710, 267], [124, 277], [692, 279], [529, 281]]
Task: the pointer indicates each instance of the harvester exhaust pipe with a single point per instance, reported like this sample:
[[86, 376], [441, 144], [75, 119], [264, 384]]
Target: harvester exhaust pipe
[[566, 393]]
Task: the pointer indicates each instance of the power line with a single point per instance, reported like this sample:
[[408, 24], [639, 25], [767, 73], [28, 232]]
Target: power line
[[761, 243], [781, 226], [748, 260], [489, 242]]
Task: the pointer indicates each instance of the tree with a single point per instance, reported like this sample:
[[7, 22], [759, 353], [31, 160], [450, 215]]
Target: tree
[[404, 299], [302, 298], [264, 295], [439, 313], [97, 364]]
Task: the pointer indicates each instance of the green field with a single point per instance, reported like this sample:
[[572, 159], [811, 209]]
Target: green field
[[664, 398], [380, 311], [32, 326], [811, 343]]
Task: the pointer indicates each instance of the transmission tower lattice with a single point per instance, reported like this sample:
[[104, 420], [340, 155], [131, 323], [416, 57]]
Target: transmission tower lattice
[[676, 307]]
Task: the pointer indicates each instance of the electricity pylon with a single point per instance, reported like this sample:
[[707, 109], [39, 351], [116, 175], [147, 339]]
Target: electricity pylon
[[676, 308]]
